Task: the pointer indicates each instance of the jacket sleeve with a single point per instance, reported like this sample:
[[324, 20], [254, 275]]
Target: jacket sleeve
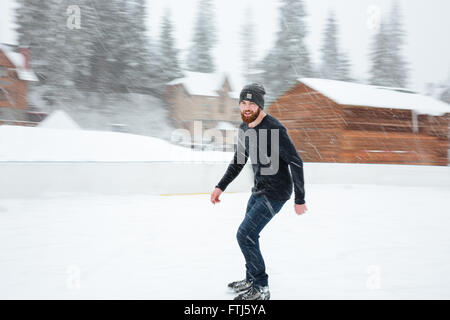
[[289, 154], [237, 163]]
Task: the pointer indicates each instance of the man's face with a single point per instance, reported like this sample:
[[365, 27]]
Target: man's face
[[249, 111]]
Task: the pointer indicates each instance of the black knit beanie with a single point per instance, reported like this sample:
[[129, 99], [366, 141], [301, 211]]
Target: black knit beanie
[[253, 92]]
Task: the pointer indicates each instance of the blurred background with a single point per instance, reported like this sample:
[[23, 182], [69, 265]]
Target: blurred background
[[353, 81]]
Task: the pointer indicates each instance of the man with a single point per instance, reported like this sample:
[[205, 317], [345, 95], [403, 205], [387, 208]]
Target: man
[[273, 182]]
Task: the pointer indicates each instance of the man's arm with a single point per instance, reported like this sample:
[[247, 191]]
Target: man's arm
[[235, 167], [289, 154]]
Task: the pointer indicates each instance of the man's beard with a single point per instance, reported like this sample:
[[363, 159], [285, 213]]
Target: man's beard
[[250, 118]]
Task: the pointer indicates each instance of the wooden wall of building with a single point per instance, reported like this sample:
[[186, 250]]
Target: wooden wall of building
[[381, 135], [324, 131], [313, 121], [16, 89]]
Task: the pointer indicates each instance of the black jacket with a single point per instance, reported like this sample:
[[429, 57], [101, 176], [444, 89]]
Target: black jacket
[[270, 166]]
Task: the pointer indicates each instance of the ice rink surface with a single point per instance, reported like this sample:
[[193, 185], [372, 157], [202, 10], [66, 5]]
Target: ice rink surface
[[354, 242]]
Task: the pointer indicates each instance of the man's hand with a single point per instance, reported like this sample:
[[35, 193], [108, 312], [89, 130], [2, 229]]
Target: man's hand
[[215, 195], [300, 208]]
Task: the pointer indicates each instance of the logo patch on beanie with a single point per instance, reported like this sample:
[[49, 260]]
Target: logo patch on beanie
[[249, 95]]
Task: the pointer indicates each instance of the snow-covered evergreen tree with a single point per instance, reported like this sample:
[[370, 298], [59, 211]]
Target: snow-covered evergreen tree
[[289, 59], [200, 55], [33, 21], [388, 66], [107, 65], [399, 69], [59, 54], [100, 70], [80, 42], [33, 18], [345, 67], [380, 58], [335, 64], [169, 53], [248, 42], [139, 55]]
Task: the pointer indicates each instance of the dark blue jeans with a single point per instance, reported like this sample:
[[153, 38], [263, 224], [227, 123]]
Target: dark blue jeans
[[260, 210]]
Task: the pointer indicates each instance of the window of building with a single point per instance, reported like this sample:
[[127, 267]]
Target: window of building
[[13, 74]]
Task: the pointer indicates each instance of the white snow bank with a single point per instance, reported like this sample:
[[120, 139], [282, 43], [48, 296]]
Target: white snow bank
[[18, 143], [124, 177], [348, 93], [35, 179], [59, 119]]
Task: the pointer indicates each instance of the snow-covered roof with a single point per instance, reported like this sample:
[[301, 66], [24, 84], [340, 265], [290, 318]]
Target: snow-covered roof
[[348, 93], [18, 60], [26, 74], [59, 120], [202, 84]]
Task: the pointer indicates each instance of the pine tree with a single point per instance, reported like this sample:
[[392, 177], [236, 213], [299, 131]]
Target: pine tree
[[140, 60], [289, 59], [106, 64], [344, 67], [33, 20], [248, 41], [388, 67], [399, 70], [79, 41], [335, 64], [169, 53], [329, 50], [58, 54], [380, 58], [200, 56]]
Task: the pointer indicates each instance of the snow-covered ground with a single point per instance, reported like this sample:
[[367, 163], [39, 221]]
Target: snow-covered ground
[[18, 143], [355, 242], [385, 240]]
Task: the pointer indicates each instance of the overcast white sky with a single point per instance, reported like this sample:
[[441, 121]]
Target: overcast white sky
[[427, 23]]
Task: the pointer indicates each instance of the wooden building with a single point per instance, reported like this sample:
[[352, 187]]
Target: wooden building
[[15, 75], [337, 121], [206, 100]]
